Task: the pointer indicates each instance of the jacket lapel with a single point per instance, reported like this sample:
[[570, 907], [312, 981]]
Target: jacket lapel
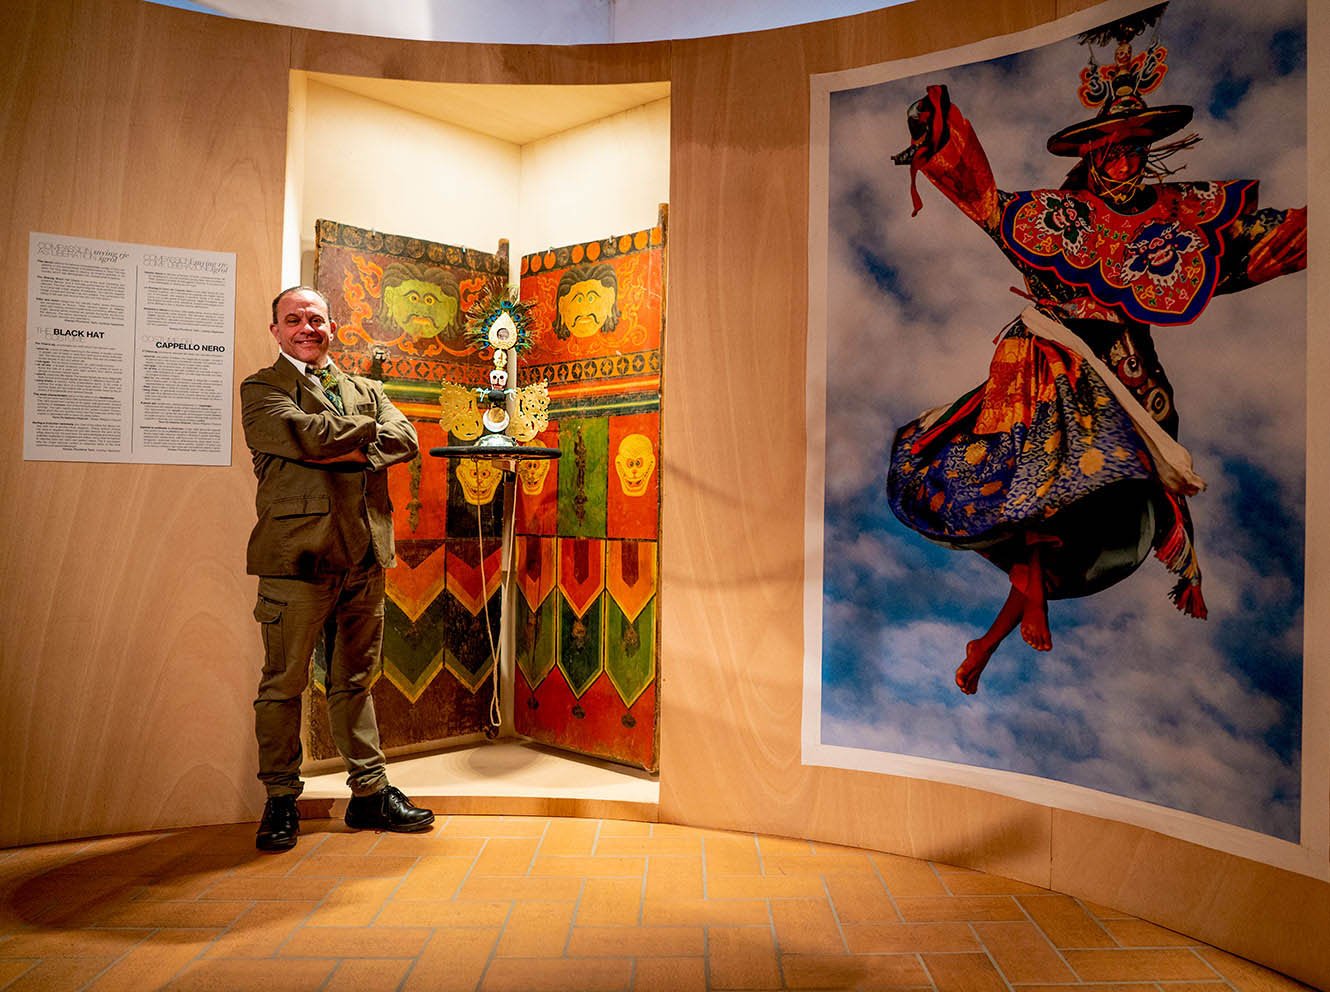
[[348, 394], [306, 394]]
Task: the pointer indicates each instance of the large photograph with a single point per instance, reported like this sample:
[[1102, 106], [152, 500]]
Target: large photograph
[[1058, 356]]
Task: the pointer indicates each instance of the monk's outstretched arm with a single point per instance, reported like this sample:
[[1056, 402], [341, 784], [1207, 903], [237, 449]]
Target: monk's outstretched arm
[[1263, 245], [944, 147]]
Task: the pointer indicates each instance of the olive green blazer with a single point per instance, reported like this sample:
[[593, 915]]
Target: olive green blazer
[[315, 518]]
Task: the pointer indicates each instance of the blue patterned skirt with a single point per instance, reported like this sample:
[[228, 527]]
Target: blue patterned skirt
[[1041, 446]]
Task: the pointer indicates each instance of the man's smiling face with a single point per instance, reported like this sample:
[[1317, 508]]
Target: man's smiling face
[[303, 329]]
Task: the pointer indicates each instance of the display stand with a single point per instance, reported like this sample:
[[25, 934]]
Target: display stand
[[512, 415]]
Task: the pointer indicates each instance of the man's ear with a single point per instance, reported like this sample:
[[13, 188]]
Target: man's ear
[[272, 329]]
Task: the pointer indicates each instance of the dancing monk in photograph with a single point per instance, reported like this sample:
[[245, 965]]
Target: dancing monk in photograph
[[1063, 468], [322, 441]]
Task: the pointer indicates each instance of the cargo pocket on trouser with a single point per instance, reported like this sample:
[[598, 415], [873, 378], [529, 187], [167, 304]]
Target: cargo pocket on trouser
[[268, 612]]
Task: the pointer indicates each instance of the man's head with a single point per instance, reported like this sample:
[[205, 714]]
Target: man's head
[[586, 301], [301, 325]]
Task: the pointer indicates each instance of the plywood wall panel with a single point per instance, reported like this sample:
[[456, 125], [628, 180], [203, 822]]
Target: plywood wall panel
[[733, 548], [932, 821], [125, 637], [732, 528], [1266, 914], [919, 28], [732, 572]]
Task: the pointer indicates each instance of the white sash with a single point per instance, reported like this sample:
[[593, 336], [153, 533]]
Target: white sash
[[1172, 460]]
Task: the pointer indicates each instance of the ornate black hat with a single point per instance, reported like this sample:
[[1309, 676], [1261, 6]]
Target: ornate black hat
[[1118, 91]]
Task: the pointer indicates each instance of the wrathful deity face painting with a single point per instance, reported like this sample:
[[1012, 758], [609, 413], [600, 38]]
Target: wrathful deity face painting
[[587, 302], [531, 472], [423, 305], [479, 479], [634, 463]]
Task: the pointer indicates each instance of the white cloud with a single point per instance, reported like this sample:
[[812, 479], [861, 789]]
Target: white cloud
[[1170, 723]]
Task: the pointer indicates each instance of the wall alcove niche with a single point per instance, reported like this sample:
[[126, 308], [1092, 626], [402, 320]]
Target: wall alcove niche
[[517, 169]]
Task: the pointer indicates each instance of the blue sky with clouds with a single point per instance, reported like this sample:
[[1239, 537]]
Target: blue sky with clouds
[[1135, 699]]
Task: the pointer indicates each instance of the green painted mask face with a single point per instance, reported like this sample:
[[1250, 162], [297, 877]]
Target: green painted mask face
[[420, 308]]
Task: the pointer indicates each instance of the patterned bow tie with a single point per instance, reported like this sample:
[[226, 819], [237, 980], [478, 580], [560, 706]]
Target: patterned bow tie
[[329, 383]]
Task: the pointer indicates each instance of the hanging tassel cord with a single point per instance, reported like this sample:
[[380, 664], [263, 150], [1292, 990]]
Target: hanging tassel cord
[[1178, 555]]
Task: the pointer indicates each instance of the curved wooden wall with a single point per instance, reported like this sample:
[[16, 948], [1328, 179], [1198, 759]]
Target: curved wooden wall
[[126, 644], [123, 598]]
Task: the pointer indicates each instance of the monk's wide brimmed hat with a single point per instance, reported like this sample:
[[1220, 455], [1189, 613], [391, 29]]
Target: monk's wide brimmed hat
[[1143, 126], [1118, 90]]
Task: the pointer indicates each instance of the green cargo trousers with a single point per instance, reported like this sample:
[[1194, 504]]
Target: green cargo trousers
[[293, 613]]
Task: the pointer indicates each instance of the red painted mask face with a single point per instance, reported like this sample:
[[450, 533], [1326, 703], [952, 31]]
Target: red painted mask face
[[1119, 163]]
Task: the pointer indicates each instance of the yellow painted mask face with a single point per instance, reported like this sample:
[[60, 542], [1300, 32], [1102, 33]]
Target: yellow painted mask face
[[634, 464], [421, 309], [585, 307], [479, 478], [532, 473]]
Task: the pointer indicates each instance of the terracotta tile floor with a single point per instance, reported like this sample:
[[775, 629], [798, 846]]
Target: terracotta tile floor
[[536, 903]]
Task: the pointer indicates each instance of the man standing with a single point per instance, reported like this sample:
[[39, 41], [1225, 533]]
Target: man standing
[[322, 441]]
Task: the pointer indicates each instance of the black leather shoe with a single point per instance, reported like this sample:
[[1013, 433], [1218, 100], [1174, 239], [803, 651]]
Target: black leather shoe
[[387, 809], [280, 825]]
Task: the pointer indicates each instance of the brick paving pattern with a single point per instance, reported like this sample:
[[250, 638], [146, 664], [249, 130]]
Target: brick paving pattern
[[492, 904]]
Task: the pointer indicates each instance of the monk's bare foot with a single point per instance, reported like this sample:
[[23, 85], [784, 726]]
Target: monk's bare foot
[[1034, 611], [977, 654], [1034, 626]]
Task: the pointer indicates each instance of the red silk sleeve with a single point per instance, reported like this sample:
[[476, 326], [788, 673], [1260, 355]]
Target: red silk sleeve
[[1280, 250], [958, 166]]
